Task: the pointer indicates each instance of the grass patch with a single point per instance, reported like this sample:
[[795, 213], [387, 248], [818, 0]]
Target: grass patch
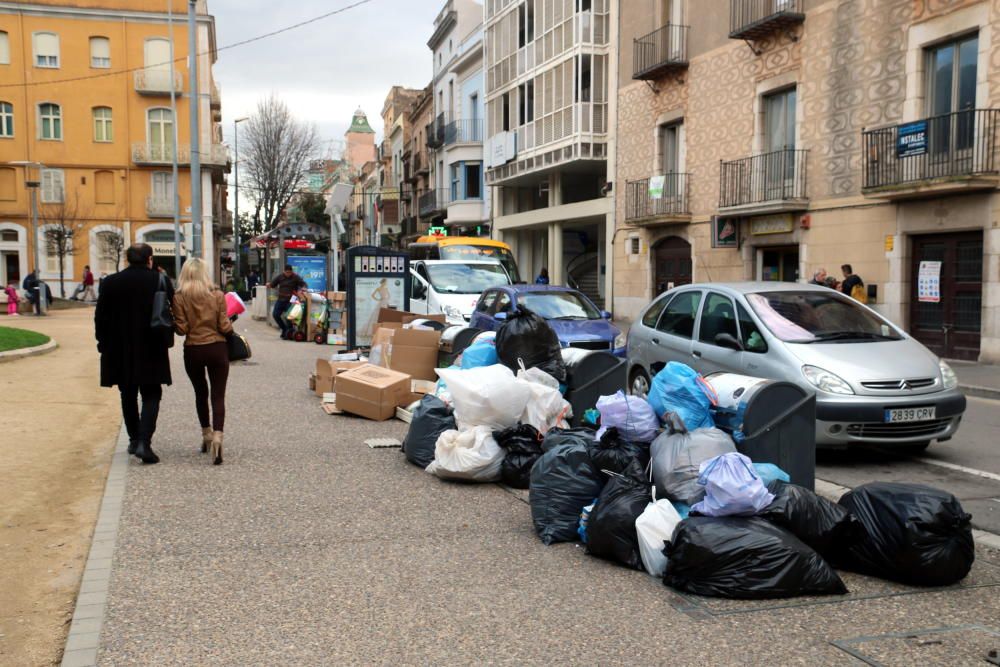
[[15, 339]]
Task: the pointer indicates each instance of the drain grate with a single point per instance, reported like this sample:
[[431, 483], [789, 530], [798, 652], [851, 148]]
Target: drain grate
[[954, 645]]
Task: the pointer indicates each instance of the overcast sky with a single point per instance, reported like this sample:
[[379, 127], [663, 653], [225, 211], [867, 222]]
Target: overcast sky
[[325, 70]]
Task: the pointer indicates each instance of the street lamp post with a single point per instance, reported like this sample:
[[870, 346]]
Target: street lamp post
[[33, 188], [236, 202]]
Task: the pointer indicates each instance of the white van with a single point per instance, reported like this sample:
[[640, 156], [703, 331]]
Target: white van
[[452, 286]]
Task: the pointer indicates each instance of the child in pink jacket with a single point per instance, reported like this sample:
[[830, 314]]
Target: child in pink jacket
[[12, 298]]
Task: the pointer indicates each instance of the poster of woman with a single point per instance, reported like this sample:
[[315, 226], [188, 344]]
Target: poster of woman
[[371, 295]]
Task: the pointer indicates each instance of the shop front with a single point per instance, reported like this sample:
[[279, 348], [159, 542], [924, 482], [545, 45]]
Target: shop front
[[775, 247]]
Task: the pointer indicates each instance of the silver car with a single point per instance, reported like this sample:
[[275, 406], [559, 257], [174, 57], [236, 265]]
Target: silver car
[[873, 382]]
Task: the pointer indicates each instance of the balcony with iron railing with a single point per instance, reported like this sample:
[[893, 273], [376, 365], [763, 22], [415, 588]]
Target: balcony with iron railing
[[216, 155], [657, 205], [157, 82], [432, 202], [772, 182], [463, 131], [754, 19], [159, 207], [949, 153], [660, 52], [435, 132], [159, 154]]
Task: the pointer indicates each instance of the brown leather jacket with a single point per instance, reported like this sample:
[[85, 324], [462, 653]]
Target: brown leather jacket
[[201, 319]]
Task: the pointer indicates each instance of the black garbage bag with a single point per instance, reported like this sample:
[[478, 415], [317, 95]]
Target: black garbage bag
[[615, 453], [568, 436], [822, 524], [563, 482], [430, 419], [611, 530], [914, 534], [523, 446], [746, 558], [528, 338]]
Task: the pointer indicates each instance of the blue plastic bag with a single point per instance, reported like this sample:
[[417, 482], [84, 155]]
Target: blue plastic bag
[[682, 391], [732, 487], [682, 508], [769, 472], [584, 520], [631, 415], [478, 355]]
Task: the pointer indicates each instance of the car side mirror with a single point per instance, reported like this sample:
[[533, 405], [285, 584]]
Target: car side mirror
[[606, 314], [729, 341], [500, 316], [419, 291]]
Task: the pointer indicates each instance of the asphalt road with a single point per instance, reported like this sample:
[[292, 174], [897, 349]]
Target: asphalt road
[[968, 465]]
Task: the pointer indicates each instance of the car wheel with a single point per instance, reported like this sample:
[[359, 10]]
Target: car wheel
[[915, 448], [639, 386]]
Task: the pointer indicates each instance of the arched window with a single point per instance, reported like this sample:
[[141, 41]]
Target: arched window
[[110, 248], [6, 119], [100, 52], [161, 134], [50, 121], [102, 124], [4, 48], [46, 49]]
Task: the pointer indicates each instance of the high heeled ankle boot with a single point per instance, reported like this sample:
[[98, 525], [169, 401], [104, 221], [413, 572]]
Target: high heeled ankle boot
[[217, 448], [206, 439]]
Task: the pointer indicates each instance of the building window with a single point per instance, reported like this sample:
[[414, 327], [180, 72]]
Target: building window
[[670, 148], [456, 171], [526, 23], [473, 181], [50, 122], [951, 88], [53, 186], [163, 188], [583, 80], [6, 119], [100, 52], [4, 48], [46, 49], [779, 121], [527, 107], [102, 124], [104, 187], [8, 184], [505, 111], [8, 236], [161, 134], [107, 258]]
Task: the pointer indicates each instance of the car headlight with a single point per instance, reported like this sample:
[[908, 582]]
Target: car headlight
[[620, 340], [452, 313], [826, 381], [948, 376]]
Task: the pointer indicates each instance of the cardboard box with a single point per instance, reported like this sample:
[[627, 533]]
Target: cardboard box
[[372, 391], [327, 370], [395, 319], [410, 351], [312, 382]]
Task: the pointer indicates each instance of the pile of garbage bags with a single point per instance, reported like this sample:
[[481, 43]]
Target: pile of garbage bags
[[657, 487]]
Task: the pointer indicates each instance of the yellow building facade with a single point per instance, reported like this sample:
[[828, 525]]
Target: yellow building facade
[[86, 113]]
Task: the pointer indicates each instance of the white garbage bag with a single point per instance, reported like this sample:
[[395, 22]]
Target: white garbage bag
[[486, 396], [472, 455], [546, 406], [655, 526], [732, 487], [676, 458]]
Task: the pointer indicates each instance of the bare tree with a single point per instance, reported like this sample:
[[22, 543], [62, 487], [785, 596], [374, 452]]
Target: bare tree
[[112, 244], [276, 157], [63, 222]]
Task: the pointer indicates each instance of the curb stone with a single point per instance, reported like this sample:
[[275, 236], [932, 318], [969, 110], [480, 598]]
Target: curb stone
[[980, 392], [83, 640], [23, 352]]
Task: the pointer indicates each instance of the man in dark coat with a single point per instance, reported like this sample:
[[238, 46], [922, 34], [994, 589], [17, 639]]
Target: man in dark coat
[[134, 356]]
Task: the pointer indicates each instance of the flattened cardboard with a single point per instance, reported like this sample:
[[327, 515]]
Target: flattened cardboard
[[371, 391]]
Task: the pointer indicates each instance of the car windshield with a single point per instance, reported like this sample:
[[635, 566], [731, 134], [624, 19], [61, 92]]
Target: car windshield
[[818, 317], [483, 252], [466, 278], [559, 306]]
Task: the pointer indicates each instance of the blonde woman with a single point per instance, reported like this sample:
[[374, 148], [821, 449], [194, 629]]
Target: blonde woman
[[200, 316]]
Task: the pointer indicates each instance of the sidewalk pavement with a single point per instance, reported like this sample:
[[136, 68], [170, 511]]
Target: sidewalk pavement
[[308, 547], [977, 379]]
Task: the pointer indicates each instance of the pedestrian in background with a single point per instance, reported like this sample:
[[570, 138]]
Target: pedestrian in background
[[819, 278], [852, 285], [12, 298], [200, 316], [288, 283], [133, 354], [543, 277], [252, 281], [88, 285]]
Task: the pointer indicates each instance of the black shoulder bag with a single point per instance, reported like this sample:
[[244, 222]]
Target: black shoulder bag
[[162, 321]]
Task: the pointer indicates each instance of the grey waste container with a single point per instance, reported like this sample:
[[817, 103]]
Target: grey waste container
[[590, 375], [770, 421], [454, 340]]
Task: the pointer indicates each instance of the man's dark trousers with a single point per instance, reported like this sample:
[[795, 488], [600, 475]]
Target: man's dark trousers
[[140, 425], [280, 306]]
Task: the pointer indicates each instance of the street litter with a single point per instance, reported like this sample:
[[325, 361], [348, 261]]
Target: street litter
[[824, 525], [471, 455], [489, 396], [631, 415], [563, 481], [611, 530], [679, 390], [526, 340], [430, 419], [613, 452], [654, 527], [382, 443], [522, 446], [677, 457], [732, 487]]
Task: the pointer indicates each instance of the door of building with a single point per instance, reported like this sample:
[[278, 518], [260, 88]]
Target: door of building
[[779, 264], [949, 326], [671, 264]]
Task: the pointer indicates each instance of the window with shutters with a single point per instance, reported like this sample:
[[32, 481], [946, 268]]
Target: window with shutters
[[46, 47], [53, 186], [102, 124], [100, 52], [6, 119], [104, 187], [8, 184], [50, 122], [107, 259], [4, 48]]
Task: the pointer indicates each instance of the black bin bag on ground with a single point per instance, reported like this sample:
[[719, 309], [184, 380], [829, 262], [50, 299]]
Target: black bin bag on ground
[[611, 530], [563, 482], [820, 523], [914, 534], [527, 337], [615, 453], [430, 419], [522, 446], [745, 558], [567, 436]]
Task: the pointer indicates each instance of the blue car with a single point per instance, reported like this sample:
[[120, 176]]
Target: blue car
[[575, 319]]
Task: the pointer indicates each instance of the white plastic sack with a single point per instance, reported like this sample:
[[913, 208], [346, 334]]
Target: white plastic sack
[[677, 457], [486, 396], [546, 407], [631, 415], [655, 526], [470, 455], [732, 487]]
